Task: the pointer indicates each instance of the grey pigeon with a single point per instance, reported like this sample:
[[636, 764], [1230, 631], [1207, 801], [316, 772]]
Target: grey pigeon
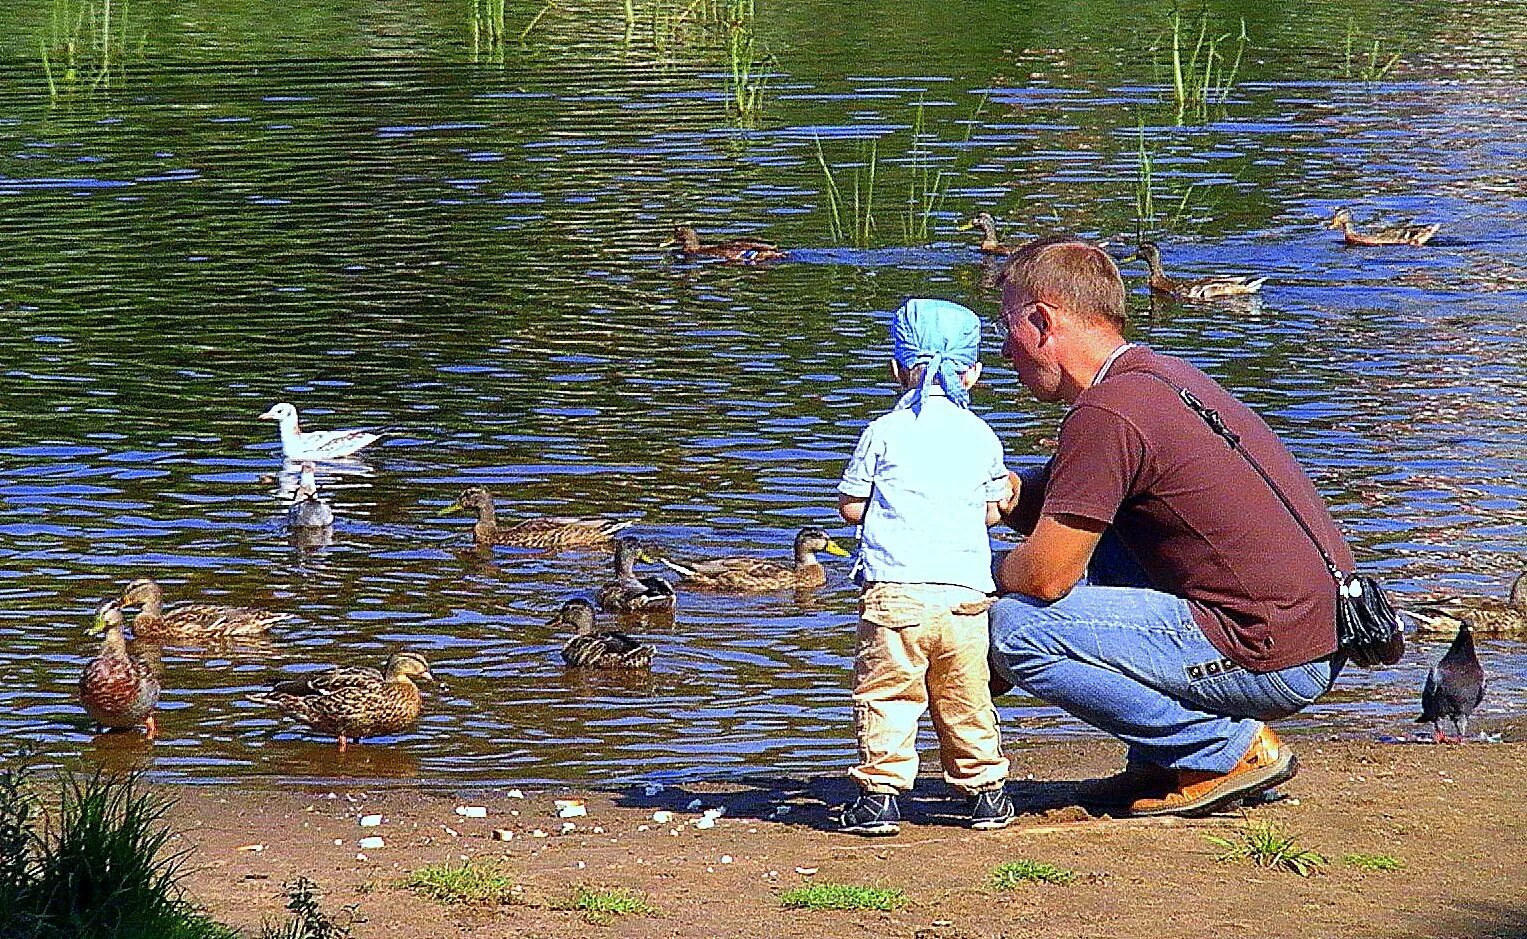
[[1454, 688]]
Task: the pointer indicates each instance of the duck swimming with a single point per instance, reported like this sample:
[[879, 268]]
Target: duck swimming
[[756, 575], [548, 532], [990, 244], [307, 510], [297, 444], [119, 690], [686, 243], [632, 594], [1405, 233], [192, 622], [590, 647], [354, 702], [1203, 288], [1485, 616]]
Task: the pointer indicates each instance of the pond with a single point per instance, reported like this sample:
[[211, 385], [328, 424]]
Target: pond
[[429, 220]]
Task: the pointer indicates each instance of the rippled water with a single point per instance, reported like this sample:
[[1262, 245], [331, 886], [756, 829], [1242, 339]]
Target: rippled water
[[352, 211]]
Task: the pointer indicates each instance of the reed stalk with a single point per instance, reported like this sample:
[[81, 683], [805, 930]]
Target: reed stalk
[[1206, 75], [536, 20]]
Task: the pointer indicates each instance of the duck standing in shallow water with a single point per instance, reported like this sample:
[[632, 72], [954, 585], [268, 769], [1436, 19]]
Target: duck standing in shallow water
[[1454, 688], [307, 510], [1403, 234], [990, 244], [297, 444], [1203, 288], [1485, 616], [119, 690], [192, 622], [632, 594], [354, 702], [591, 647], [756, 575], [686, 244], [549, 533]]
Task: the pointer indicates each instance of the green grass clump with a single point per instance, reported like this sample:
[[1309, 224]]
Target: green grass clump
[[309, 921], [1014, 874], [1374, 862], [1267, 845], [843, 897], [467, 882], [99, 865], [600, 902]]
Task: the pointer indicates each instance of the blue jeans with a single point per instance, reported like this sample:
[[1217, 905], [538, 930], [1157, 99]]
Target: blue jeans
[[1131, 661]]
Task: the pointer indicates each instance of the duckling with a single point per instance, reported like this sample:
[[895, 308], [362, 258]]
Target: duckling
[[989, 242], [119, 690], [550, 533], [1405, 233], [589, 648], [319, 444], [742, 250], [354, 702], [307, 510], [1485, 616], [750, 575], [192, 622], [1203, 288], [632, 594]]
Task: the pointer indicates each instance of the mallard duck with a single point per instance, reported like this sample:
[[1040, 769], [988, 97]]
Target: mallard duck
[[307, 510], [119, 690], [297, 444], [1203, 288], [354, 702], [632, 594], [989, 242], [1403, 234], [550, 532], [686, 241], [1485, 616], [747, 575], [193, 622], [591, 648]]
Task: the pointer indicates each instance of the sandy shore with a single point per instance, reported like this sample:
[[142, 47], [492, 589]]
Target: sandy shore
[[1451, 814]]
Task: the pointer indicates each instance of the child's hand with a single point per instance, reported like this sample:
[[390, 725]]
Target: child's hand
[[1015, 484]]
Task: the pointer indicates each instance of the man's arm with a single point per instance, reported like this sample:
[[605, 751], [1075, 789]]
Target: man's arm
[[1054, 558]]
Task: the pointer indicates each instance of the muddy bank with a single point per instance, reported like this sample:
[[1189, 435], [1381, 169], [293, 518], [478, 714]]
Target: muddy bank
[[1450, 815]]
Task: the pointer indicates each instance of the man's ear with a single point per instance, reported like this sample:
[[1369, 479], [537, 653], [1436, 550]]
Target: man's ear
[[970, 376], [1042, 315]]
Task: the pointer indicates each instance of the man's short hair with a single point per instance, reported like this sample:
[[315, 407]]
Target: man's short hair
[[1068, 273]]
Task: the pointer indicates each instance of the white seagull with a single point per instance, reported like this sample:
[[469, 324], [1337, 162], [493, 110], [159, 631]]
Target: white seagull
[[319, 444]]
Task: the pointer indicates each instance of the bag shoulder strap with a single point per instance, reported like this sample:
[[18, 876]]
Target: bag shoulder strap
[[1217, 424]]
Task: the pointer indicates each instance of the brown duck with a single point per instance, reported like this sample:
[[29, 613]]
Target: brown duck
[[757, 575], [686, 243], [549, 533], [1217, 287], [591, 647], [1405, 233], [192, 622], [629, 593], [1489, 617], [990, 244], [354, 702], [119, 690]]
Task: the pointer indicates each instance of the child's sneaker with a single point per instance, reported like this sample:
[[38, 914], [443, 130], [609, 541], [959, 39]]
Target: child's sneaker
[[871, 814], [991, 810]]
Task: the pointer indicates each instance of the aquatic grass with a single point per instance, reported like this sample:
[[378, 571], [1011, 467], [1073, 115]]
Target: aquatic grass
[[536, 20], [1386, 863], [1011, 875], [488, 22], [748, 70], [467, 882], [851, 216], [1265, 844], [1207, 75], [308, 918], [86, 46], [826, 896], [100, 864], [1378, 65]]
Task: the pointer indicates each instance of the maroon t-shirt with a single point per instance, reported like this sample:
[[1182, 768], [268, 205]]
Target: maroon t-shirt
[[1198, 518]]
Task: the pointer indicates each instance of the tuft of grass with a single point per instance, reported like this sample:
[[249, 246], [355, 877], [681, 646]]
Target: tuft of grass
[[1013, 874], [467, 882], [1387, 863], [602, 903], [842, 897], [1204, 76], [1265, 844], [1377, 66], [851, 215], [309, 921]]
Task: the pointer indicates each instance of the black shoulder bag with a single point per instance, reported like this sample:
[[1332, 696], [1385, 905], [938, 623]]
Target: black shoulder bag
[[1367, 629]]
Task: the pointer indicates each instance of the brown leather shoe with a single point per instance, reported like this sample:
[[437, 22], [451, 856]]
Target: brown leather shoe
[[1266, 764], [1137, 780]]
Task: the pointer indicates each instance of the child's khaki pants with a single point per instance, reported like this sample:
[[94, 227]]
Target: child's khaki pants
[[917, 653]]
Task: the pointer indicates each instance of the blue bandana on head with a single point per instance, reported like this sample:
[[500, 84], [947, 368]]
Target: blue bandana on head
[[943, 336]]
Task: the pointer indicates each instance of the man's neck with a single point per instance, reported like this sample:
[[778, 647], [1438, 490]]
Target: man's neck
[[1083, 366]]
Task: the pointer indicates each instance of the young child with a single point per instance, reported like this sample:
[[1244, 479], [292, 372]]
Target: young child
[[925, 482]]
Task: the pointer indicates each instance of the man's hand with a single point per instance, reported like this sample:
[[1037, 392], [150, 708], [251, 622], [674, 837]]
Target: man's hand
[[1054, 558], [1010, 504]]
